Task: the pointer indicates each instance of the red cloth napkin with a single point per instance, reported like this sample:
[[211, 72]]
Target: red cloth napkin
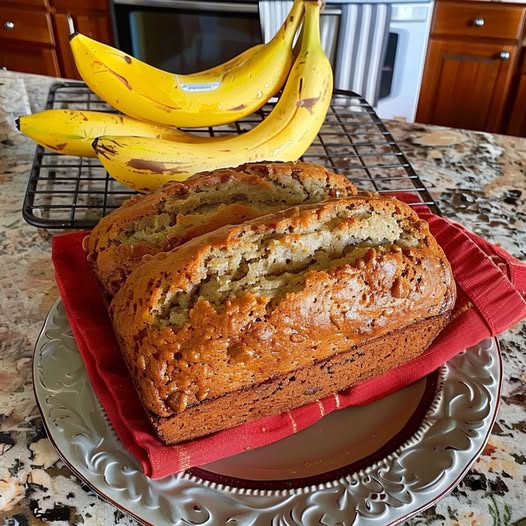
[[491, 298]]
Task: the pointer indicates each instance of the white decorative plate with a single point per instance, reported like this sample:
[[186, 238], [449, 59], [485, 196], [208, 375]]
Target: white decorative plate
[[373, 465]]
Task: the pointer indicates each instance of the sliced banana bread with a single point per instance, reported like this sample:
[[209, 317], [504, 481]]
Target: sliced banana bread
[[262, 317]]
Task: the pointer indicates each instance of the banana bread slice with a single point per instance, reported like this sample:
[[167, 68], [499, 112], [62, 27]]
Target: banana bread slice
[[169, 216], [262, 317]]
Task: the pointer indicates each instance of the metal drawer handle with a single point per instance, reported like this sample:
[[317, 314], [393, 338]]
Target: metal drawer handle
[[504, 55], [71, 24], [479, 21], [9, 25]]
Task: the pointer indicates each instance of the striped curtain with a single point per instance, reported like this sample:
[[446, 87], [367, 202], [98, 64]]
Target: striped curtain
[[363, 32]]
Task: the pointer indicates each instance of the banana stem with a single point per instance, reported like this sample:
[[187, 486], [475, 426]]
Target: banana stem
[[311, 25]]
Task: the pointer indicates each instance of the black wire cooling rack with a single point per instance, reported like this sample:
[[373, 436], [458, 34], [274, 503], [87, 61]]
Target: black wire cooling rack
[[75, 192]]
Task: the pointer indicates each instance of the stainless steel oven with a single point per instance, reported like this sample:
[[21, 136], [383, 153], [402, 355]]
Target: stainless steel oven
[[184, 36], [377, 48]]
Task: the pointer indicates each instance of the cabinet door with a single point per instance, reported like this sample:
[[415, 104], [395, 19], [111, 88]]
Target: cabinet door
[[26, 25], [29, 59], [478, 20], [517, 122], [90, 5], [95, 25], [465, 84]]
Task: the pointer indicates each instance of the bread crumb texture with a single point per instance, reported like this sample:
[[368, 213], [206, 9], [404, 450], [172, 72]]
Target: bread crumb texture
[[250, 303], [177, 212]]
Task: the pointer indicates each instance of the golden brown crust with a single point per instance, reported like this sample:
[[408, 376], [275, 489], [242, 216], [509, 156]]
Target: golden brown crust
[[254, 303], [169, 216], [305, 385]]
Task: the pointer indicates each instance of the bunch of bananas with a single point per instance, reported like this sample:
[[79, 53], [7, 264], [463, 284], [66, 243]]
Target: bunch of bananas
[[145, 147]]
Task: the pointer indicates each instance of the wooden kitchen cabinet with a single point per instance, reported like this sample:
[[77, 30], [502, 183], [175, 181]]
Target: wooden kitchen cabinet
[[29, 59], [34, 34], [465, 84], [517, 119], [90, 17], [26, 38], [471, 65]]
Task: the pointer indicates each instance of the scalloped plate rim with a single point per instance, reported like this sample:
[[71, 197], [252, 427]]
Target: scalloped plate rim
[[128, 506]]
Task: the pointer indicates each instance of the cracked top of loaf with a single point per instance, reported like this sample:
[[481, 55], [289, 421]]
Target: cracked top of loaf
[[176, 212], [254, 301]]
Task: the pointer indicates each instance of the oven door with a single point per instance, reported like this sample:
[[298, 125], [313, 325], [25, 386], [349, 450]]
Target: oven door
[[404, 61], [185, 36]]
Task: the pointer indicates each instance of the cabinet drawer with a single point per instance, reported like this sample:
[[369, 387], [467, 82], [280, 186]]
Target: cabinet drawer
[[78, 5], [517, 123], [478, 19], [29, 58], [32, 3], [25, 26], [26, 4]]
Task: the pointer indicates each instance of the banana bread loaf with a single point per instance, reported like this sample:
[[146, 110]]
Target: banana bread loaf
[[176, 212], [258, 318]]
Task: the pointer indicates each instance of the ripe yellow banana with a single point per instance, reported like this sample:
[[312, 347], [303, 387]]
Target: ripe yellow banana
[[71, 132], [222, 69], [285, 134], [218, 96]]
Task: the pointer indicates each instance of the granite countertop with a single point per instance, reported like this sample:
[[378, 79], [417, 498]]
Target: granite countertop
[[476, 178]]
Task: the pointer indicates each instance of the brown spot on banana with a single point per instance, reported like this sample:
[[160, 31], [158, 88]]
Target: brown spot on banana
[[152, 166], [127, 59], [58, 147], [83, 115], [124, 80], [237, 108], [308, 104]]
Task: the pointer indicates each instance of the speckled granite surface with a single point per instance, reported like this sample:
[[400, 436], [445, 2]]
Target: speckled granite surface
[[478, 179]]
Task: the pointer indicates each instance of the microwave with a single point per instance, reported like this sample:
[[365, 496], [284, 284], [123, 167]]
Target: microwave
[[377, 49]]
